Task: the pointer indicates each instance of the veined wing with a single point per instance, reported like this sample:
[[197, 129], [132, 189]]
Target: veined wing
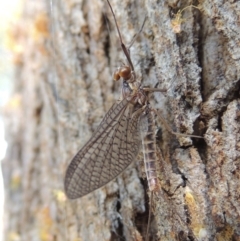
[[113, 146]]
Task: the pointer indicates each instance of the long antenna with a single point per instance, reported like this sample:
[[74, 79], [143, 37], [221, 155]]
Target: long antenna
[[126, 52]]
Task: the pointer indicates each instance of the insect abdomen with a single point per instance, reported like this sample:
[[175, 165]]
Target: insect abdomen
[[149, 152]]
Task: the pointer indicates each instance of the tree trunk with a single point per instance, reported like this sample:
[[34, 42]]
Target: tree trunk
[[64, 87]]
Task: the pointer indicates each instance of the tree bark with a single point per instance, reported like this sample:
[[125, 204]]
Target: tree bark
[[64, 87]]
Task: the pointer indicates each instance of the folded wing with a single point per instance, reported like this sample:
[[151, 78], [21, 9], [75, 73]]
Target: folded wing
[[113, 146]]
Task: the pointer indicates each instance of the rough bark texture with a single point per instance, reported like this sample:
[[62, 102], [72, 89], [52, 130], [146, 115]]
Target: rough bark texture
[[63, 88]]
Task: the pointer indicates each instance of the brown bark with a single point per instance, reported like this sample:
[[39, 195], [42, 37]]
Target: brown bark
[[63, 88]]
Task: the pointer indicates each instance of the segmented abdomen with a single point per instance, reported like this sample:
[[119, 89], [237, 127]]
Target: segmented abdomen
[[147, 128]]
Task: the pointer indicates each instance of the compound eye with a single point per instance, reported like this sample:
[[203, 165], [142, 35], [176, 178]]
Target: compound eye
[[116, 75], [125, 72]]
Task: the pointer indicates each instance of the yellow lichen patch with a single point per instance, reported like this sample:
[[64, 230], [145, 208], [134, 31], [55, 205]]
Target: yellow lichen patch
[[59, 195], [40, 27], [178, 19], [13, 236], [45, 224], [194, 210], [13, 33], [40, 32], [15, 182], [190, 200], [14, 39], [14, 102]]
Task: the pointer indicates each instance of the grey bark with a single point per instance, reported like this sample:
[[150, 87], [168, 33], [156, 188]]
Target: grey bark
[[63, 88]]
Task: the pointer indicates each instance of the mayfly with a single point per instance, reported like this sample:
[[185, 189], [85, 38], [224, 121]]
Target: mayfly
[[116, 142]]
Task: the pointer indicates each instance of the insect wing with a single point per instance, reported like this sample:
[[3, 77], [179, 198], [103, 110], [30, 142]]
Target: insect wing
[[113, 146]]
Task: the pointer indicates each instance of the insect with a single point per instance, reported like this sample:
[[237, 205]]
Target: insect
[[115, 144]]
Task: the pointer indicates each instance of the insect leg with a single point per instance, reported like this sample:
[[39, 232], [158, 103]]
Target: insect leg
[[169, 128]]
